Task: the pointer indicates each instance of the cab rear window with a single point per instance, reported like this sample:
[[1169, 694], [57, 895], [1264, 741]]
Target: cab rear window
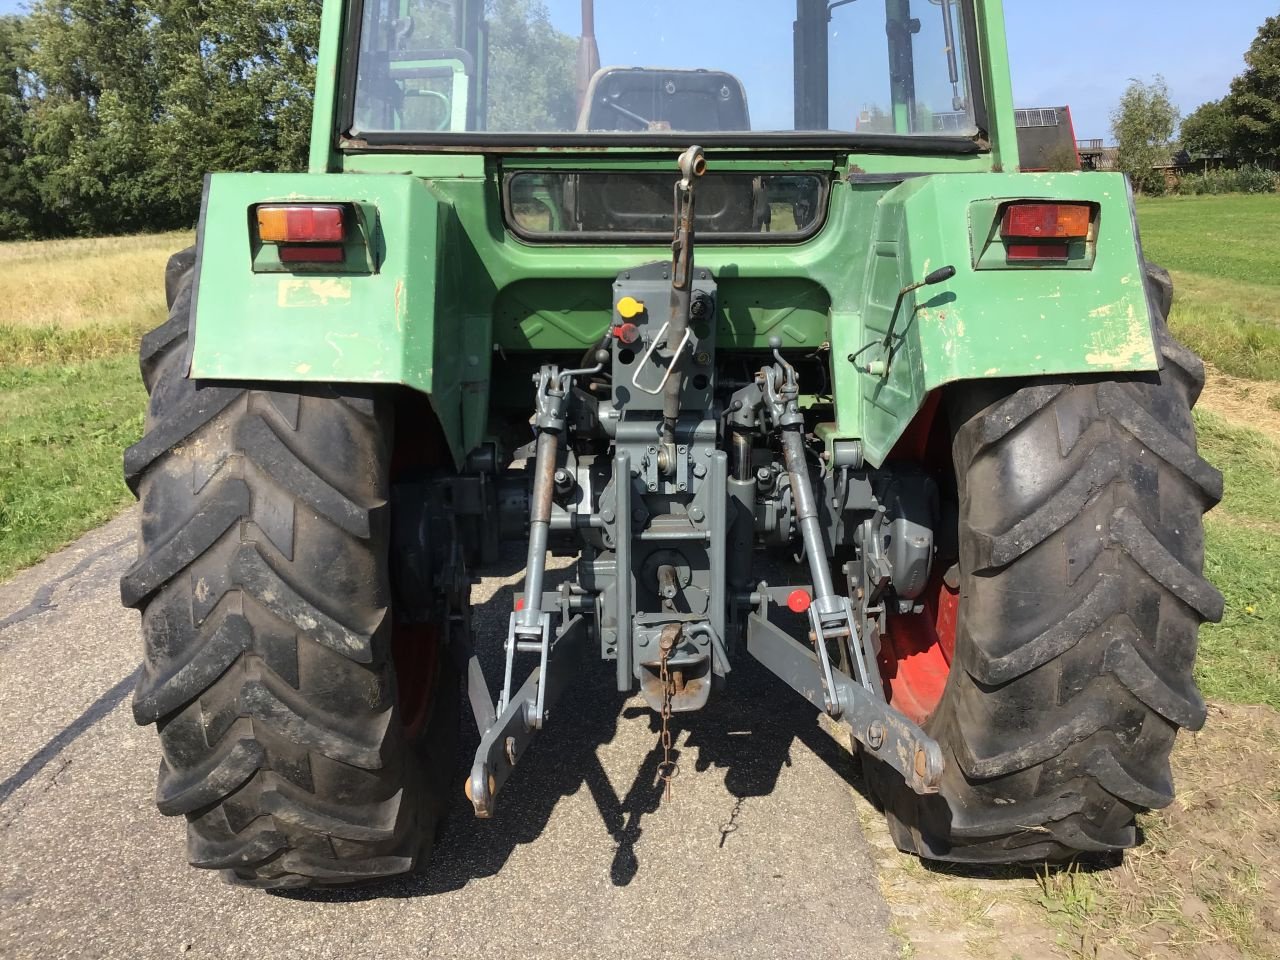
[[638, 206]]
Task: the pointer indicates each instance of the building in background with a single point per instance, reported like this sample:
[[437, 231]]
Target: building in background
[[1047, 140]]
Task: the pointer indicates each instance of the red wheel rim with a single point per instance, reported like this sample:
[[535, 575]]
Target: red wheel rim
[[916, 652], [416, 652], [917, 648]]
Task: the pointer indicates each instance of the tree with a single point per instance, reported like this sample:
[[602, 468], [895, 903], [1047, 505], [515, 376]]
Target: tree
[[1062, 159], [134, 100], [1143, 125], [1255, 96], [1210, 131], [235, 90], [91, 114], [18, 204], [532, 86]]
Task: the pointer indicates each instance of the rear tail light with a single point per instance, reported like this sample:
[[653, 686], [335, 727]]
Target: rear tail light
[[310, 253], [302, 223], [1047, 221], [1044, 232], [1043, 252]]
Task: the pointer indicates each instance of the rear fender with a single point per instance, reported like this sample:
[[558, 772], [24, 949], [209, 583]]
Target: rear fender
[[393, 314], [990, 321]]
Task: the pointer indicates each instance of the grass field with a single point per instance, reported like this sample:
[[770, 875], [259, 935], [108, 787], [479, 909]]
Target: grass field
[[1224, 254], [70, 395]]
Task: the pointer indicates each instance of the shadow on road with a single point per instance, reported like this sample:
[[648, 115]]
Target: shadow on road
[[748, 731], [65, 737]]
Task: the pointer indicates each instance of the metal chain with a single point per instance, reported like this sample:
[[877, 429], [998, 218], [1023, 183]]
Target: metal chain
[[668, 769]]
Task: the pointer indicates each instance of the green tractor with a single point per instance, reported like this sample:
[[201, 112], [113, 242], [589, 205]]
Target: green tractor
[[775, 288]]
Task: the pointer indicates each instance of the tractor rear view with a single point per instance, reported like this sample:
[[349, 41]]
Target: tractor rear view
[[778, 295]]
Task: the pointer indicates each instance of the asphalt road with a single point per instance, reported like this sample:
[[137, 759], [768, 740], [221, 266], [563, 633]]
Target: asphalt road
[[758, 854]]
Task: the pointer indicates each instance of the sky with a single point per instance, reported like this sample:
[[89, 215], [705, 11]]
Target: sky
[[1076, 52]]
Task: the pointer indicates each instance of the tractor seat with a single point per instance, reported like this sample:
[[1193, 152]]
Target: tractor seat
[[644, 99]]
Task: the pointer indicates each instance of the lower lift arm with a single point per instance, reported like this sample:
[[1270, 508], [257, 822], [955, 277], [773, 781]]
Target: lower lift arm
[[506, 731], [859, 705]]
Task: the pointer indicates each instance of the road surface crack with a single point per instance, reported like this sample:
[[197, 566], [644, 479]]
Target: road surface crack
[[39, 603]]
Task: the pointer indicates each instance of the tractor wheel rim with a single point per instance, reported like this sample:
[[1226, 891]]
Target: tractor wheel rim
[[916, 652], [416, 651]]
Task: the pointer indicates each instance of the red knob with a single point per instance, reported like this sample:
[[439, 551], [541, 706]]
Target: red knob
[[799, 601], [627, 333]]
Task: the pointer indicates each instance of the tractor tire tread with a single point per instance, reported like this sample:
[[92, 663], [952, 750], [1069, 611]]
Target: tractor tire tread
[[264, 593], [1060, 713]]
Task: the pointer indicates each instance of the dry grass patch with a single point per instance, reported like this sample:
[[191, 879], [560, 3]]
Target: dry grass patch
[[1207, 881], [1254, 404], [1204, 886], [70, 300]]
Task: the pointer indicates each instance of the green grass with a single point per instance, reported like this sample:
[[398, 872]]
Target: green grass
[[1228, 237], [1250, 465], [1240, 657], [62, 431], [1223, 253], [71, 398]]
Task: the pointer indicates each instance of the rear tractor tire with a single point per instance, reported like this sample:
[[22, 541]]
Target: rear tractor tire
[[1080, 596], [296, 752]]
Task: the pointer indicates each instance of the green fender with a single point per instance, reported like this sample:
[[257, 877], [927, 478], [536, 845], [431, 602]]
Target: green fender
[[398, 312], [990, 320], [433, 285]]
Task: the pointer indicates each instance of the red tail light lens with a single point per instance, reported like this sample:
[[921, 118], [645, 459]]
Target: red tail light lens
[[1047, 221], [301, 223], [1041, 252], [312, 254]]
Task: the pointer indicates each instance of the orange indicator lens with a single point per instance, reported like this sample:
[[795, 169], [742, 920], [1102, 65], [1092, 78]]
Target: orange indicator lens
[[297, 223]]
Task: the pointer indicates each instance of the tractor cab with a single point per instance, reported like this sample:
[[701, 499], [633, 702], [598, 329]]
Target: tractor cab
[[435, 74], [417, 69]]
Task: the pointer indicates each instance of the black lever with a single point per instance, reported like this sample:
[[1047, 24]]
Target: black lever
[[941, 275]]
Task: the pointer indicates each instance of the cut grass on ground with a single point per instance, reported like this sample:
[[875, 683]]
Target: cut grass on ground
[[1222, 252], [62, 431], [1203, 886], [1230, 237]]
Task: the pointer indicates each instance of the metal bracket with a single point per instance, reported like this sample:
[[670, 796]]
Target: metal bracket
[[514, 645], [653, 345], [504, 741], [889, 735]]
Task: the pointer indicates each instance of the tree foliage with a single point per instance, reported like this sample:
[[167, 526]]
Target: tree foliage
[[1209, 131], [1254, 100], [17, 193], [112, 111], [531, 80], [1245, 124], [1143, 125], [122, 105]]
